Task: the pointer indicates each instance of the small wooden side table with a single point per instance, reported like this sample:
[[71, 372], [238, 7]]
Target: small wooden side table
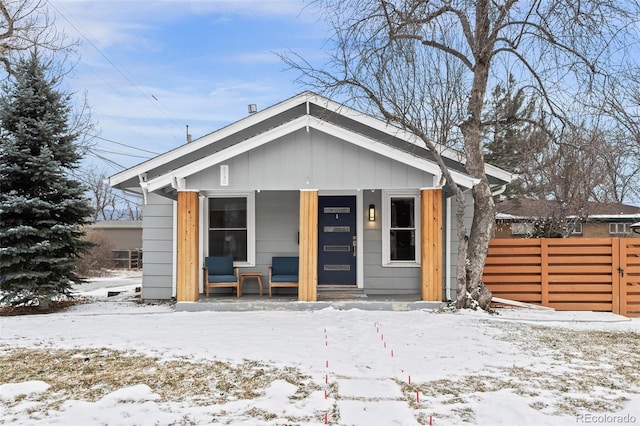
[[256, 275]]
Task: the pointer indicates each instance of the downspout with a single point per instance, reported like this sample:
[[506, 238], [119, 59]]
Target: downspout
[[174, 249], [175, 184]]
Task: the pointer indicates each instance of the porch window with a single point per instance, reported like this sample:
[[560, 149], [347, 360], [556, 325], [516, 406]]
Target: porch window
[[401, 233], [230, 230]]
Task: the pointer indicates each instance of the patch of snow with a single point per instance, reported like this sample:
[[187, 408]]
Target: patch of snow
[[366, 363], [11, 391]]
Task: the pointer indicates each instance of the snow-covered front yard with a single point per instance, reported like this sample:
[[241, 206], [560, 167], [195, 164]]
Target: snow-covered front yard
[[116, 362]]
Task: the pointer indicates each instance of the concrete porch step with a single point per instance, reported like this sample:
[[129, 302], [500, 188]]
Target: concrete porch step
[[257, 303]]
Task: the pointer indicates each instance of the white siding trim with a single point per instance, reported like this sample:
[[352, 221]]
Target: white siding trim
[[208, 139], [202, 203], [299, 123], [306, 97], [226, 154], [251, 222], [403, 134], [174, 245], [386, 227]]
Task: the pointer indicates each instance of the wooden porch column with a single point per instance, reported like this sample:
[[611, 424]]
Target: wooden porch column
[[308, 247], [432, 246], [187, 273]]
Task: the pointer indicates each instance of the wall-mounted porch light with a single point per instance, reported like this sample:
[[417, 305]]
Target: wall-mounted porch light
[[372, 213]]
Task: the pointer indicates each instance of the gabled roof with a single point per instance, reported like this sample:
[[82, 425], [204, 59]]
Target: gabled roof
[[306, 110], [525, 208]]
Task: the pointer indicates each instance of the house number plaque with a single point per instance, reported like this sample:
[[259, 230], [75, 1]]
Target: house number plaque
[[224, 175]]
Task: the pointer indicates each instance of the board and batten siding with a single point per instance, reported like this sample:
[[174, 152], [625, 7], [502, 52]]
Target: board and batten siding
[[311, 159], [276, 234], [157, 246]]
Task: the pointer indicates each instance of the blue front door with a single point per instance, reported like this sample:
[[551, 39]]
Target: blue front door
[[337, 240]]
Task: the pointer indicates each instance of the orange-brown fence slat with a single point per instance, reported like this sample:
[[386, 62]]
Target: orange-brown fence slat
[[601, 274]]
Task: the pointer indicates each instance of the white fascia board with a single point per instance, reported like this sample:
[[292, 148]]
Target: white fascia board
[[299, 123], [405, 135], [389, 151], [225, 154], [208, 139]]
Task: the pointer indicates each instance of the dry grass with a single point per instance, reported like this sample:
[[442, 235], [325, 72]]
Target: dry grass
[[54, 306], [567, 372], [573, 371], [93, 373]]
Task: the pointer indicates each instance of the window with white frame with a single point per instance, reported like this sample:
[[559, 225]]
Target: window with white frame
[[231, 229], [576, 228], [619, 228], [400, 229]]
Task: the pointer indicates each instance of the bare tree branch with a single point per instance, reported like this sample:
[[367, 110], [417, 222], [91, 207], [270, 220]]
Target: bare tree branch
[[24, 26], [389, 55]]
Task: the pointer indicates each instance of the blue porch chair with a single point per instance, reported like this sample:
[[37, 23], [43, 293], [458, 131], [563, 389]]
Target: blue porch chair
[[219, 272], [283, 272]]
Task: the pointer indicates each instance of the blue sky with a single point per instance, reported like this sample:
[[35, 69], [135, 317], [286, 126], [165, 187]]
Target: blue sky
[[150, 68]]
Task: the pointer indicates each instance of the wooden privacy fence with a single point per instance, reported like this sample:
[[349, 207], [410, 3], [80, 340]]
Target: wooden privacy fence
[[586, 274]]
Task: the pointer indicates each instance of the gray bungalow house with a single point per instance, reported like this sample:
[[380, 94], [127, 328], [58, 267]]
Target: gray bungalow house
[[359, 202]]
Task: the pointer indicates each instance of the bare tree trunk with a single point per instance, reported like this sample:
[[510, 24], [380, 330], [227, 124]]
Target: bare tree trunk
[[463, 247], [477, 294], [390, 53]]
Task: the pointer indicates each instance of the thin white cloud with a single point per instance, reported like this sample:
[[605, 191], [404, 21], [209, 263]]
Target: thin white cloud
[[171, 9], [148, 104]]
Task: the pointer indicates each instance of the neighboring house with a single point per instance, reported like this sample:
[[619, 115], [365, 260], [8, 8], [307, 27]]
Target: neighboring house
[[516, 218], [357, 200], [125, 237]]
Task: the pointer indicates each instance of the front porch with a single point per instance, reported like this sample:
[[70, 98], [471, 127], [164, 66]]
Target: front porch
[[253, 302], [419, 271]]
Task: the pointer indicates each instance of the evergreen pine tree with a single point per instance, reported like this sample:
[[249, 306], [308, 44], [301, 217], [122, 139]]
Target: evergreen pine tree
[[513, 142], [41, 207]]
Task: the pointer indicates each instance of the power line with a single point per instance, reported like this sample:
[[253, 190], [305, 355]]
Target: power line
[[123, 144], [115, 194], [108, 161], [106, 151], [116, 67]]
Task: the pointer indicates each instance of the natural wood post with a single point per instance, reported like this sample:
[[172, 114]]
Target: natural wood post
[[308, 247], [431, 244], [618, 276], [187, 274], [544, 272]]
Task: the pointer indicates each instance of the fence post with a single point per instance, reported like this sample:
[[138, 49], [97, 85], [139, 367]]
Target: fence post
[[618, 264], [544, 271]]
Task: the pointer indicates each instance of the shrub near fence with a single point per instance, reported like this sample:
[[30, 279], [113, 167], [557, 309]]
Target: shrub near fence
[[594, 274]]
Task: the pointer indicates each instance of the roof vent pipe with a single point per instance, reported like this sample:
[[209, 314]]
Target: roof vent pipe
[[253, 108]]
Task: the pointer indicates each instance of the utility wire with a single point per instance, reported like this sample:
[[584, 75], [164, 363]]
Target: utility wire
[[123, 144], [117, 68], [106, 151], [115, 194], [110, 162]]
